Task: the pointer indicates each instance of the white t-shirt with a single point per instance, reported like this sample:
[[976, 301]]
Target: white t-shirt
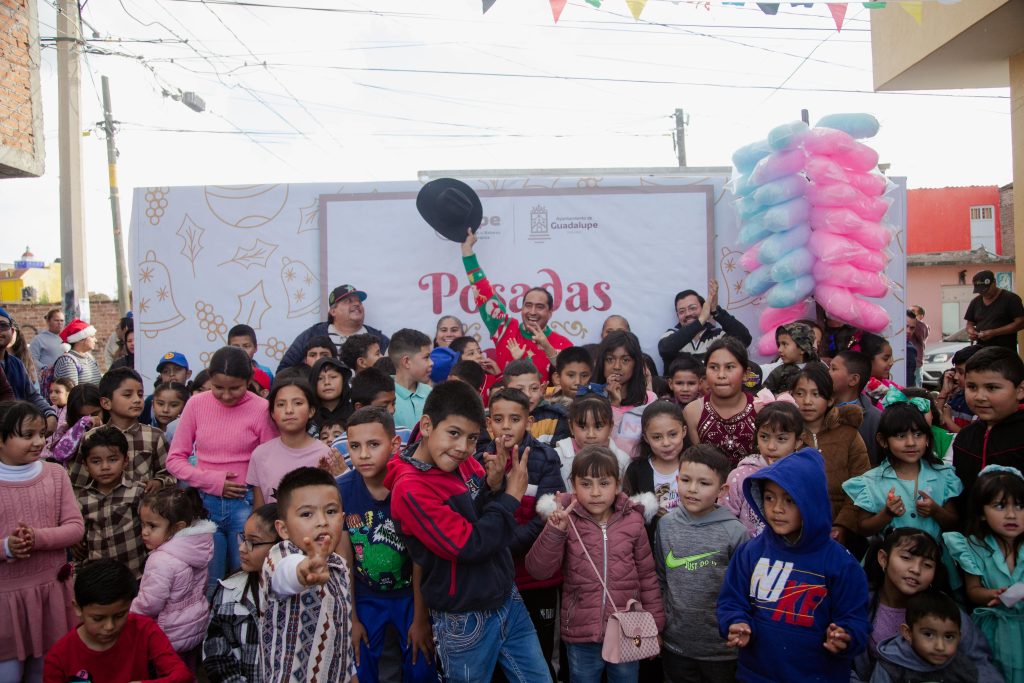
[[666, 489]]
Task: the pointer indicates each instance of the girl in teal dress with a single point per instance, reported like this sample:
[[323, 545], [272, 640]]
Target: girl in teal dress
[[911, 487], [992, 558]]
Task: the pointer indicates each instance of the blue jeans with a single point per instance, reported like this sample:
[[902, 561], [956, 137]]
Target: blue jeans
[[376, 613], [471, 644], [586, 665], [229, 514]]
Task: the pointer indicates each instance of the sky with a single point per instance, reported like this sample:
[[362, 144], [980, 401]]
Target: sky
[[354, 90]]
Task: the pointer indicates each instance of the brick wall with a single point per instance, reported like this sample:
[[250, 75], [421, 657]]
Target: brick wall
[[21, 144], [1006, 217], [104, 317]]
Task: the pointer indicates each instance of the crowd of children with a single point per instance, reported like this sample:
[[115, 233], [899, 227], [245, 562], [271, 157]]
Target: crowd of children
[[415, 507]]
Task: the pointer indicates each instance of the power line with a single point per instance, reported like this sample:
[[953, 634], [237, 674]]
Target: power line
[[639, 81], [274, 76]]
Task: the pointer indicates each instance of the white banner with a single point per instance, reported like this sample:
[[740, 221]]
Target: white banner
[[206, 258], [599, 251]]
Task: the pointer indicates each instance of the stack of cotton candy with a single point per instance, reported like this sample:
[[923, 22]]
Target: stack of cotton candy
[[775, 232], [847, 204]]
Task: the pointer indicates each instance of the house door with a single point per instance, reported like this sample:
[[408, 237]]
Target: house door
[[955, 299]]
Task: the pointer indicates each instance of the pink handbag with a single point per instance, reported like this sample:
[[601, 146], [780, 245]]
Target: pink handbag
[[630, 635]]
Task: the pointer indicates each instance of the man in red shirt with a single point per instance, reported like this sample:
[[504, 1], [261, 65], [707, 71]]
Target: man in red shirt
[[111, 645], [531, 338]]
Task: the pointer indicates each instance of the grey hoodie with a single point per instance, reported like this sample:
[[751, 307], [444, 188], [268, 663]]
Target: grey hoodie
[[898, 663], [691, 555]]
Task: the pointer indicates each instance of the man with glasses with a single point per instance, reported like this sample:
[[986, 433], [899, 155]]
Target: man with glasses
[[701, 321], [17, 375], [47, 345]]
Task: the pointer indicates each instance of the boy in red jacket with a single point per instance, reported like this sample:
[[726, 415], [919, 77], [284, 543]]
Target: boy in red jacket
[[112, 645], [457, 518]]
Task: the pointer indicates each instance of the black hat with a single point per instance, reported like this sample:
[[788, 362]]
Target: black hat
[[982, 280], [450, 206]]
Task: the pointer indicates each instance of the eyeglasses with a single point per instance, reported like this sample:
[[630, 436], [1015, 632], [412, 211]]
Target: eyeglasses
[[244, 542], [4, 326]]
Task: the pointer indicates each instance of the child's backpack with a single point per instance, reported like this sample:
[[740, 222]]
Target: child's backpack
[[46, 375]]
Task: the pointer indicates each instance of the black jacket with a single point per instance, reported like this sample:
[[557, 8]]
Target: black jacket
[[694, 338], [976, 446], [297, 351]]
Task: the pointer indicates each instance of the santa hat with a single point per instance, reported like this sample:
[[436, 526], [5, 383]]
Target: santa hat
[[76, 331]]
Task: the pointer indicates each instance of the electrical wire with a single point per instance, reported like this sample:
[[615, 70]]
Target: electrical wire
[[274, 76]]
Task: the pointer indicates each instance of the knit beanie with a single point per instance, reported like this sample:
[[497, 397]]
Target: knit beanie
[[444, 360]]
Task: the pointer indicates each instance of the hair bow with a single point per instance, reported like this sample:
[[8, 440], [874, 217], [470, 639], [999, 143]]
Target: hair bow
[[992, 469], [894, 396], [592, 388], [766, 397]]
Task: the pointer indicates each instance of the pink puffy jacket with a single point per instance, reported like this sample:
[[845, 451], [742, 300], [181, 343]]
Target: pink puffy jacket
[[173, 588], [621, 552]]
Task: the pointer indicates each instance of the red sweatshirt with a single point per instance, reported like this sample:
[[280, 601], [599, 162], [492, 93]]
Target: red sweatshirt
[[140, 644]]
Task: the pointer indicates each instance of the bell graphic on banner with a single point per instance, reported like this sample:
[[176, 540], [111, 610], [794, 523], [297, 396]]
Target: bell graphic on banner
[[301, 286], [157, 310]]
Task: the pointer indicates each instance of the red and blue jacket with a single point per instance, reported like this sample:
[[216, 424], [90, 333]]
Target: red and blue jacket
[[457, 529]]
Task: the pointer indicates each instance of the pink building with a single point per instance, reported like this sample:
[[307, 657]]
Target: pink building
[[952, 233]]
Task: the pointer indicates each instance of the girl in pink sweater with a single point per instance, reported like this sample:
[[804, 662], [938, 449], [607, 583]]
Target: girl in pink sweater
[[39, 520], [222, 427]]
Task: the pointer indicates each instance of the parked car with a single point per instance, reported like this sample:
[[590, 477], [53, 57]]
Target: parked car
[[938, 358]]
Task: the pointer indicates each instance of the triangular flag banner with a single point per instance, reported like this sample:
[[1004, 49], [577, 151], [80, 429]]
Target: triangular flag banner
[[913, 8], [874, 5], [595, 3], [488, 4], [556, 8], [636, 7], [838, 11], [769, 7]]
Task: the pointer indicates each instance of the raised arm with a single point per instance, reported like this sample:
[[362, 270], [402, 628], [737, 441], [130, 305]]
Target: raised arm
[[492, 309]]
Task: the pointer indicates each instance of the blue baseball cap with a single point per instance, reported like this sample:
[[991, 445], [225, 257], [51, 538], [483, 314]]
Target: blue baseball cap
[[172, 357], [5, 314]]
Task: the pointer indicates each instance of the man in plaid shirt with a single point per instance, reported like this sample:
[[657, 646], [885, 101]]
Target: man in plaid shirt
[[121, 398], [110, 502]]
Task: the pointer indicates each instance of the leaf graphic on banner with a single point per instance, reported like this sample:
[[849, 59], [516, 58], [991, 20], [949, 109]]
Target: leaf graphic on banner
[[251, 306], [256, 255], [192, 236], [309, 217]]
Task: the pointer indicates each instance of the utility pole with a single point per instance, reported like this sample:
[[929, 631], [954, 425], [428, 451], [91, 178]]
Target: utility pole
[[115, 201], [75, 295], [680, 138]]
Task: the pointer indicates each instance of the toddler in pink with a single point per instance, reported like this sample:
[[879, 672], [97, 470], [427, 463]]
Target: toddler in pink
[[173, 588]]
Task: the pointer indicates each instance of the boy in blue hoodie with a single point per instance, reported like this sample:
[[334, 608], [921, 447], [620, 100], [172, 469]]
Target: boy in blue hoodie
[[794, 601]]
